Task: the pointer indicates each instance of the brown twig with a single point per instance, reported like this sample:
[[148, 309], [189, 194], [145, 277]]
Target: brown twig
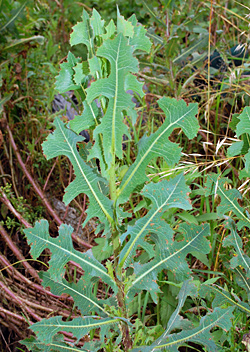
[[18, 254], [11, 295]]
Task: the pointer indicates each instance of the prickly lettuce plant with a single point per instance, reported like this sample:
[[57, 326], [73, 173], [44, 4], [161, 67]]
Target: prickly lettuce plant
[[139, 249]]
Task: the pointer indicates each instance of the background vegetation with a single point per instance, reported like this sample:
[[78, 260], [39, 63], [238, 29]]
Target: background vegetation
[[199, 54]]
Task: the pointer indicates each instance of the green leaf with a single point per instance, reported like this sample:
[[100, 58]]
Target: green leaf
[[187, 217], [83, 34], [95, 67], [200, 335], [176, 321], [223, 297], [104, 250], [39, 39], [57, 345], [81, 292], [139, 41], [235, 241], [247, 161], [97, 23], [178, 115], [87, 120], [79, 76], [235, 149], [124, 26], [112, 126], [242, 280], [46, 329], [244, 125], [242, 128], [63, 142], [4, 100], [110, 30], [164, 195], [215, 185], [207, 217], [170, 256], [62, 251], [201, 43], [64, 81]]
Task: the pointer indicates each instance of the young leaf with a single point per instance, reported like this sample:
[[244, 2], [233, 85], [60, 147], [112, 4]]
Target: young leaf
[[97, 23], [83, 34], [122, 62], [170, 256], [178, 115], [63, 142], [164, 195], [200, 335], [62, 251]]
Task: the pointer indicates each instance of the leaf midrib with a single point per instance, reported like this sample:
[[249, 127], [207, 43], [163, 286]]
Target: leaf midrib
[[149, 150], [146, 224], [86, 180], [166, 259]]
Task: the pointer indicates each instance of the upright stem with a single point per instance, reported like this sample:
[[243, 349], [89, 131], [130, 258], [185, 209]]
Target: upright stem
[[117, 248]]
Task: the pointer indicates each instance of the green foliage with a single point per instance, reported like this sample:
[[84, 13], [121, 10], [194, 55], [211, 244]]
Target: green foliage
[[143, 248], [242, 146]]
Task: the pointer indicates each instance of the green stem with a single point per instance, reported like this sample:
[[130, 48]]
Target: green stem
[[117, 248]]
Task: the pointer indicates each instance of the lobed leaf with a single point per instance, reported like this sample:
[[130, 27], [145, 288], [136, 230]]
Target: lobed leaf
[[139, 41], [223, 297], [83, 34], [81, 292], [244, 125], [178, 115], [65, 81], [242, 280], [46, 329], [170, 255], [228, 198], [62, 251], [87, 120], [112, 126], [240, 258], [164, 195], [200, 335], [97, 23], [242, 128], [57, 345], [176, 321], [63, 142]]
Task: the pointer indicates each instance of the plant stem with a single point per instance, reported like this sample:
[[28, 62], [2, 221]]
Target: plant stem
[[117, 248]]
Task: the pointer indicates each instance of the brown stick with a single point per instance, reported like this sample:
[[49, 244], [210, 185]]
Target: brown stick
[[25, 309], [18, 254]]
